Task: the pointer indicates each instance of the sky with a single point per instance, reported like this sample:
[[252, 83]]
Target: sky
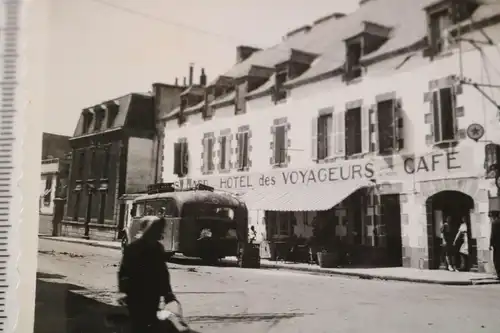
[[97, 50]]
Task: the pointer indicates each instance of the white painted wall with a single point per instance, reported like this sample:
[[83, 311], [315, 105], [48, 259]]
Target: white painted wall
[[410, 83]]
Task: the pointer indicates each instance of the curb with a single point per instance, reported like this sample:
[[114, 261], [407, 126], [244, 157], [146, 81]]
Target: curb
[[82, 242], [311, 270]]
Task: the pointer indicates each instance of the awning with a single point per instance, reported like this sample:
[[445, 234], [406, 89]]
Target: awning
[[317, 197]]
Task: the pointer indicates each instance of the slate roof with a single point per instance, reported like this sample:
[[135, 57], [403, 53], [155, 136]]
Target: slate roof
[[409, 26]]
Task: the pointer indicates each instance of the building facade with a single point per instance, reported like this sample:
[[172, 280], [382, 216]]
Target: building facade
[[356, 125], [53, 183]]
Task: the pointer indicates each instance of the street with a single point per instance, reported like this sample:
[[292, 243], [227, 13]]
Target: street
[[76, 289]]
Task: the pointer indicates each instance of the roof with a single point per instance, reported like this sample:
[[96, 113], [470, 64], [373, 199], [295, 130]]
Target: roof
[[327, 38]]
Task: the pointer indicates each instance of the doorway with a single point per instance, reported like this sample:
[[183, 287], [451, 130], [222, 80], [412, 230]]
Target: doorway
[[390, 214], [455, 205]]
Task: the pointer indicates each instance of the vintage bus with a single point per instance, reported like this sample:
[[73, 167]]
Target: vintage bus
[[201, 222]]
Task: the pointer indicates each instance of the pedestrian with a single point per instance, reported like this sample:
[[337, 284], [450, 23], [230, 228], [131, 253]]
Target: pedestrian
[[461, 243], [144, 278], [495, 239], [252, 235], [447, 250]]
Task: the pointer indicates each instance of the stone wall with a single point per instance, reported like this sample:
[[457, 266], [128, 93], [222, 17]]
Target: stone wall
[[97, 232]]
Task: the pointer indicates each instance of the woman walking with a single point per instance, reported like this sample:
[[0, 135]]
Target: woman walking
[[461, 243]]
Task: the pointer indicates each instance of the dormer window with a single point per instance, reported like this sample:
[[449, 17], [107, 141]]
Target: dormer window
[[353, 61], [112, 113], [369, 38], [87, 121], [99, 117], [439, 24], [280, 92], [441, 17], [240, 97]]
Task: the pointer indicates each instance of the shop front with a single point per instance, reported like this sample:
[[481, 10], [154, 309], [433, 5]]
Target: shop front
[[331, 208]]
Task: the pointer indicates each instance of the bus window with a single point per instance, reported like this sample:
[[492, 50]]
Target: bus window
[[164, 207], [139, 209]]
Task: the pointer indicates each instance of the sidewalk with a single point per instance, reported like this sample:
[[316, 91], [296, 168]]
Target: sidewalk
[[387, 273]]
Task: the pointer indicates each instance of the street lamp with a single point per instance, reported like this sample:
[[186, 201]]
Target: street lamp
[[90, 189]]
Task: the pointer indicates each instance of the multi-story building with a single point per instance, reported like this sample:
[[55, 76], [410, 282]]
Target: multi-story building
[[55, 164], [357, 123], [115, 150]]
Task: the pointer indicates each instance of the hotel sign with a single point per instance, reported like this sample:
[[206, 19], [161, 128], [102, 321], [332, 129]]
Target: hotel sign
[[437, 165], [348, 170]]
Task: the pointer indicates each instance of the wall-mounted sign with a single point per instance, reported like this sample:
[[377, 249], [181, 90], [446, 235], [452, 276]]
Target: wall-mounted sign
[[475, 131]]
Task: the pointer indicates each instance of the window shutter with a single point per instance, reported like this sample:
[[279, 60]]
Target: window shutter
[[280, 144], [436, 122], [211, 155], [204, 155], [238, 150], [185, 158], [329, 135], [177, 158], [340, 133], [244, 150], [365, 130], [374, 130], [314, 139], [398, 124]]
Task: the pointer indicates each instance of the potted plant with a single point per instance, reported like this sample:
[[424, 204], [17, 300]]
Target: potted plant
[[328, 257]]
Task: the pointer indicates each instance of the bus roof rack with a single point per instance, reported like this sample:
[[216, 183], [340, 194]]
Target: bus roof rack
[[203, 187], [161, 188]]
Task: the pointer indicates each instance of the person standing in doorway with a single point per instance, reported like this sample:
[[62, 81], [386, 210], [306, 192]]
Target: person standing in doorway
[[447, 250], [461, 243], [495, 239]]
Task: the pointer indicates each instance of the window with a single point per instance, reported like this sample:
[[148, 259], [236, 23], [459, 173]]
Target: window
[[208, 153], [386, 133], [105, 163], [138, 209], [48, 189], [279, 223], [76, 205], [87, 120], [102, 205], [353, 131], [240, 94], [280, 148], [439, 22], [112, 113], [491, 159], [81, 163], [181, 160], [99, 117], [242, 151], [324, 136], [444, 117], [353, 66], [280, 91], [224, 160]]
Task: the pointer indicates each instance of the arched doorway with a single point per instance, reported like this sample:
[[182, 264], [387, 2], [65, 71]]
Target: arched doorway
[[440, 205]]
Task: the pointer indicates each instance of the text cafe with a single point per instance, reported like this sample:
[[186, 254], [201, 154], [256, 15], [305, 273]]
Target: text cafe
[[332, 207]]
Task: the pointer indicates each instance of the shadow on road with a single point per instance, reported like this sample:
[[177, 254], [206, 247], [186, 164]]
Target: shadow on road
[[59, 309], [189, 261]]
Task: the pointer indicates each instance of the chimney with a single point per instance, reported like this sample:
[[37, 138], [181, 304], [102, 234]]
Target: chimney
[[203, 78], [176, 82], [191, 74], [244, 52], [184, 83]]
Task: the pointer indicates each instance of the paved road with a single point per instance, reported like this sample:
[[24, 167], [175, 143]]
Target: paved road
[[77, 284]]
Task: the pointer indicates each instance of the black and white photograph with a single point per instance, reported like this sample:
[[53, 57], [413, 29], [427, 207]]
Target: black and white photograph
[[269, 166]]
